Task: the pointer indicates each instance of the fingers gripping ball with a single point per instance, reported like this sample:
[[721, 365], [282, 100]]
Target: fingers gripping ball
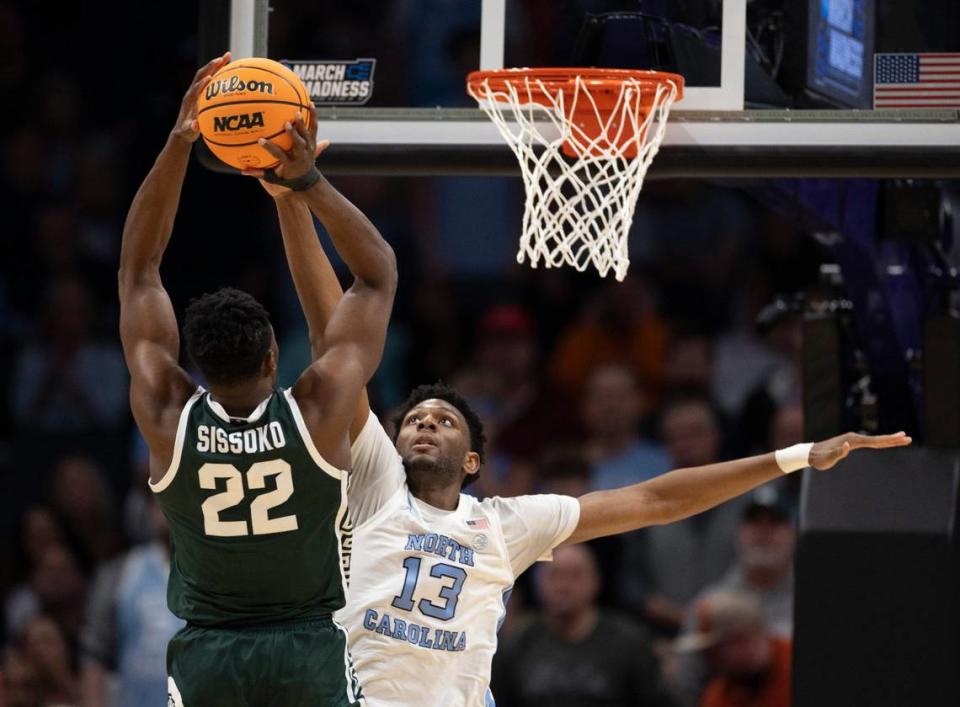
[[246, 100]]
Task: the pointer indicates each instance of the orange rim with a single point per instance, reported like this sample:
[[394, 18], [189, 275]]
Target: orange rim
[[604, 84]]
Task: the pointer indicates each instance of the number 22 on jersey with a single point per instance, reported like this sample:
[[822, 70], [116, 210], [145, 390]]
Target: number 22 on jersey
[[260, 520]]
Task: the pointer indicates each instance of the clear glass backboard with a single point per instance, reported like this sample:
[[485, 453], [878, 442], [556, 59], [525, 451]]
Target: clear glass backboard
[[774, 87]]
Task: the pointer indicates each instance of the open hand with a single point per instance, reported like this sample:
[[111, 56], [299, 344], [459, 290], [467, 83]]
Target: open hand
[[824, 455], [186, 127]]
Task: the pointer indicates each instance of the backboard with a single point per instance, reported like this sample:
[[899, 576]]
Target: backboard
[[774, 87]]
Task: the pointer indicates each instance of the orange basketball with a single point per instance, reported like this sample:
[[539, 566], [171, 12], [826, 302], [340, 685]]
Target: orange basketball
[[246, 100]]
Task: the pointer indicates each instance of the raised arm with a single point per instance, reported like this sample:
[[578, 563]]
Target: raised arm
[[148, 327], [686, 492], [353, 336], [318, 288]]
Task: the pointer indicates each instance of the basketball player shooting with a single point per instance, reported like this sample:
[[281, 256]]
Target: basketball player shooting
[[435, 566], [249, 476]]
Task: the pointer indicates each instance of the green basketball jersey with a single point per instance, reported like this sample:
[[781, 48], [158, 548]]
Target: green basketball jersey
[[258, 519]]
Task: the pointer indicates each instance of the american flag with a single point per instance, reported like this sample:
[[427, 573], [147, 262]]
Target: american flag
[[478, 523], [916, 81]]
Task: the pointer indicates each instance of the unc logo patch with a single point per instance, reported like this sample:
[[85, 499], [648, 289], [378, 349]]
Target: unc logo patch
[[479, 542]]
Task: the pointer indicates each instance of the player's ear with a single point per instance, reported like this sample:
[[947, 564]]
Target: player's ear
[[471, 464], [269, 368], [272, 359]]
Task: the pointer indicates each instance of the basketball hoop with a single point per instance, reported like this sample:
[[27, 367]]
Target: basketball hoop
[[584, 139]]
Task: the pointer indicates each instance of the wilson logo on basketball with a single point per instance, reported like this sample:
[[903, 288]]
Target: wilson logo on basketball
[[231, 123], [235, 84]]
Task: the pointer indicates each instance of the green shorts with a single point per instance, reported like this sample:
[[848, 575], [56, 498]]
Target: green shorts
[[301, 664]]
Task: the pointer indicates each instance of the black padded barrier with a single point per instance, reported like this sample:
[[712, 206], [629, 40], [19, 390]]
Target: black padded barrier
[[877, 603]]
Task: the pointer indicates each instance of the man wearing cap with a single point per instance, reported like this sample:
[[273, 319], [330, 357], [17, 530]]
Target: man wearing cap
[[750, 665], [763, 569], [525, 414]]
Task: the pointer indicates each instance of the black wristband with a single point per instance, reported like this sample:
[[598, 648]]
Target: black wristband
[[301, 183]]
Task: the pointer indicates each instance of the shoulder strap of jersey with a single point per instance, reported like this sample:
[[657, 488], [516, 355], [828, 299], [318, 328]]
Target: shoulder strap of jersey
[[171, 472], [308, 440]]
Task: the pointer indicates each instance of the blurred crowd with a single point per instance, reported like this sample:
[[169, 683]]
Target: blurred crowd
[[582, 383]]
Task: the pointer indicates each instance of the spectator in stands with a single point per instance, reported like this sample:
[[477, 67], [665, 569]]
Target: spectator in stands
[[763, 569], [46, 649], [56, 587], [527, 412], [39, 530], [66, 381], [137, 523], [564, 470], [128, 625], [575, 654], [766, 540], [612, 408], [83, 502], [19, 680], [502, 384], [691, 430], [689, 364], [786, 428], [654, 582], [62, 251], [781, 324], [751, 666], [620, 322]]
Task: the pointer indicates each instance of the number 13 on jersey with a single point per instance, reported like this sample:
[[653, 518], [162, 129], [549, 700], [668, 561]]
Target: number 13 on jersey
[[450, 593]]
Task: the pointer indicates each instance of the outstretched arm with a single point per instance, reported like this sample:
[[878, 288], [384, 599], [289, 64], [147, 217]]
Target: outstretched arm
[[316, 282], [355, 331], [148, 327], [686, 492]]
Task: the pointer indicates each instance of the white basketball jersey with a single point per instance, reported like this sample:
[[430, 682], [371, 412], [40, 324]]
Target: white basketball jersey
[[428, 587]]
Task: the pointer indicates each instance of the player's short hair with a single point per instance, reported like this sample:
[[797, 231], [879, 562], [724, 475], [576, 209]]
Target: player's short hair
[[442, 391], [228, 334]]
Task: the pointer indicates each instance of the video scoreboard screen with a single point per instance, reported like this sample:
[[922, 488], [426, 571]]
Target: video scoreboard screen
[[840, 51]]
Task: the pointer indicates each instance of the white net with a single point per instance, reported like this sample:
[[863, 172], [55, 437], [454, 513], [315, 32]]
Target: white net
[[579, 210]]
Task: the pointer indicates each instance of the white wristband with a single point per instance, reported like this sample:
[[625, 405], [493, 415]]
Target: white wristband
[[793, 458]]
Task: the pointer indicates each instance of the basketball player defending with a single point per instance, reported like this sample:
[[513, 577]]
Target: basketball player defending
[[250, 477], [430, 585]]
